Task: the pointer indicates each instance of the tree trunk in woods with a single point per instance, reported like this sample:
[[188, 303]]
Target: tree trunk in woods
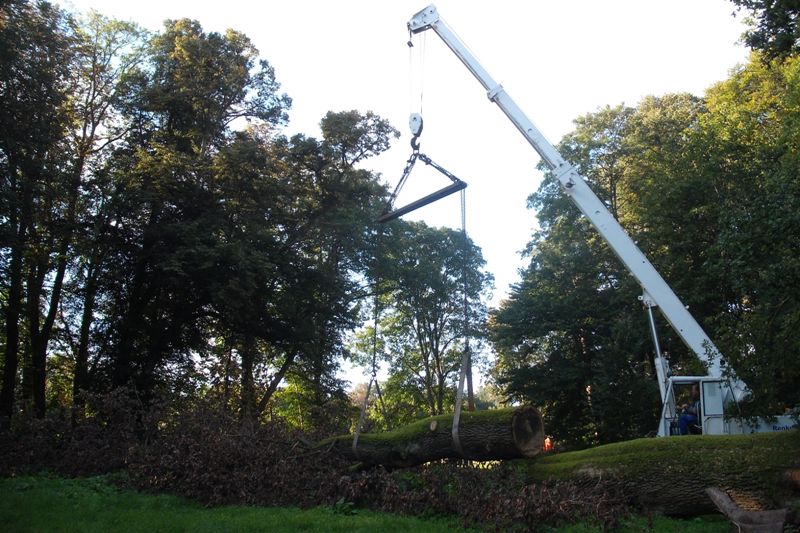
[[484, 435], [671, 474]]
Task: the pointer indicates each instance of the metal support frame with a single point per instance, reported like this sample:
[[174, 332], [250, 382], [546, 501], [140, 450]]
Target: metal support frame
[[422, 202], [389, 213]]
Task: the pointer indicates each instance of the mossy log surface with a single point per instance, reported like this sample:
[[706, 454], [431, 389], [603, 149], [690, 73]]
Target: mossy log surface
[[671, 474], [484, 435]]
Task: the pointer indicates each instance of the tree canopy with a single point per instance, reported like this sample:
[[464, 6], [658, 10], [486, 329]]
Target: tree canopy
[[159, 231]]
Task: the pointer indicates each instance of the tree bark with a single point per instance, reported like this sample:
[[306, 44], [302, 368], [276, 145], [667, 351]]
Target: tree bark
[[671, 474], [484, 435], [12, 315], [80, 380]]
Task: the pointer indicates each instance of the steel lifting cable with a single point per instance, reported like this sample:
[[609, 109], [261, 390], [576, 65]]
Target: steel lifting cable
[[373, 379], [389, 213], [465, 362], [416, 70], [416, 124]]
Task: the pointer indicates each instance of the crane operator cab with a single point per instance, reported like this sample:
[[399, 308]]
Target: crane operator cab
[[695, 405]]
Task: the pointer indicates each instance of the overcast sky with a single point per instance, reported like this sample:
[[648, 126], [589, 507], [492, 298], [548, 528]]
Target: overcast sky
[[557, 59]]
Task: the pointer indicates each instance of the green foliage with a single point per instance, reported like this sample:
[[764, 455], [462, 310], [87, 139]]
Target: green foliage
[[752, 130], [343, 507], [424, 277], [301, 408], [37, 56], [558, 345], [774, 28], [160, 228]]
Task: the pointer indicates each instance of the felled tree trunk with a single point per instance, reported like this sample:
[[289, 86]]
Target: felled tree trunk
[[484, 435], [671, 474]]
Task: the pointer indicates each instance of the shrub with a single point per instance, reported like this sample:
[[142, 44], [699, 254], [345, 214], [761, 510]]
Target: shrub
[[74, 445], [214, 458]]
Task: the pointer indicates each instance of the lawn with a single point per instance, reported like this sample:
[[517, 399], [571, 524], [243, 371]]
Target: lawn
[[50, 504]]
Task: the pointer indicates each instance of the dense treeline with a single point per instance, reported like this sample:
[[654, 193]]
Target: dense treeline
[[161, 234], [709, 188]]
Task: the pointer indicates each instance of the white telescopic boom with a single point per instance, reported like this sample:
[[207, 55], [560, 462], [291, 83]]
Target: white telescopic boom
[[574, 185]]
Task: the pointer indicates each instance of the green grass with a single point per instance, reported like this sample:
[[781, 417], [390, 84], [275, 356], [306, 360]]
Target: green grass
[[40, 504], [45, 504], [660, 524]]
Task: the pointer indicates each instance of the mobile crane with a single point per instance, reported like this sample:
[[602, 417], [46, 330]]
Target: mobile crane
[[719, 387]]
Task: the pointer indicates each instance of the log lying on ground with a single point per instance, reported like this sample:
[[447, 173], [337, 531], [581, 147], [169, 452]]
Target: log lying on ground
[[670, 474], [484, 435]]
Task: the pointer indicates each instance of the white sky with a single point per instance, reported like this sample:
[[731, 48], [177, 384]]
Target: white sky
[[557, 59]]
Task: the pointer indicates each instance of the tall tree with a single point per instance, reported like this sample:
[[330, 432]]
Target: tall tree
[[751, 133], [572, 337], [109, 52], [425, 324], [705, 187], [182, 107], [36, 43], [298, 214]]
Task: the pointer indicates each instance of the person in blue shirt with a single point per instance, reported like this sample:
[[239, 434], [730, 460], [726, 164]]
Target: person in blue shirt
[[691, 412]]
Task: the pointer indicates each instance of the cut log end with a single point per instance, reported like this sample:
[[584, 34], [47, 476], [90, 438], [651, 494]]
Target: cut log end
[[527, 430]]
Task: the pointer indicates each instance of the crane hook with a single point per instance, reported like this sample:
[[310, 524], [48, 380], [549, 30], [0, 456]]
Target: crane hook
[[415, 123]]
